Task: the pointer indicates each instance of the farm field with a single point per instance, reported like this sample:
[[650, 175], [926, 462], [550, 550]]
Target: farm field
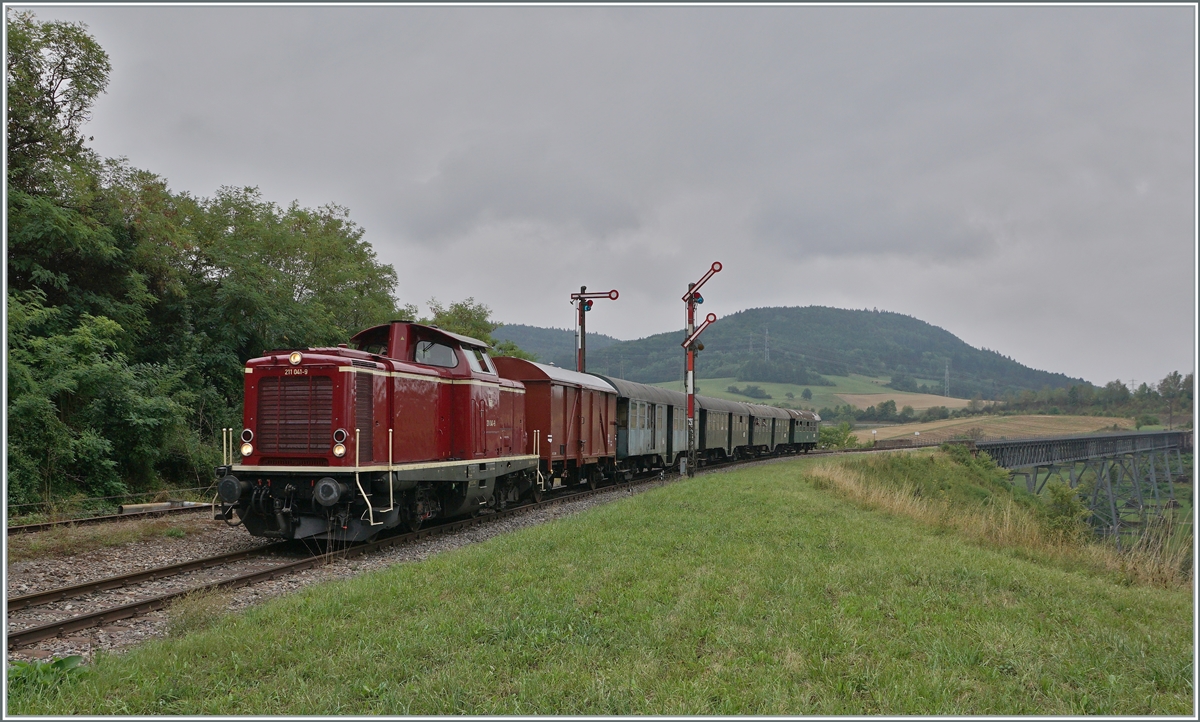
[[755, 591], [846, 386], [996, 426], [919, 402]]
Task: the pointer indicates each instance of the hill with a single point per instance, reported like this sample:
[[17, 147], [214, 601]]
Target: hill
[[552, 345], [807, 343]]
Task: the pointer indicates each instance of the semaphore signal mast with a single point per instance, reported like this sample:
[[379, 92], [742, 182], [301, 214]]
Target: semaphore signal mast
[[583, 302], [692, 298]]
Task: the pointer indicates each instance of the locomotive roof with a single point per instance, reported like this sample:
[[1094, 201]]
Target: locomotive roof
[[464, 340], [643, 392]]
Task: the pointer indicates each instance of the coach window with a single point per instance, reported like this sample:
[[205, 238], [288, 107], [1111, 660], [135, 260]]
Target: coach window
[[435, 354]]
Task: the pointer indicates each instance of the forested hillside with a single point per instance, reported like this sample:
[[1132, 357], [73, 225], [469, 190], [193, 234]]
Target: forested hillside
[[807, 342], [132, 308], [552, 345]]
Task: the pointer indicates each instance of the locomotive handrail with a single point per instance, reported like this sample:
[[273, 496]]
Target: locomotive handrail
[[370, 506]]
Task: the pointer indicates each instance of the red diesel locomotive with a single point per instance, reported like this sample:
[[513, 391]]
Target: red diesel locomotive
[[413, 422], [409, 423]]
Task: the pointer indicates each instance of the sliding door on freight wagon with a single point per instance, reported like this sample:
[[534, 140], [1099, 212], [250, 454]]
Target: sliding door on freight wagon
[[562, 435], [599, 422]]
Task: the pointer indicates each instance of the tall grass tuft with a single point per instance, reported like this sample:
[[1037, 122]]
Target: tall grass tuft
[[195, 611], [972, 506]]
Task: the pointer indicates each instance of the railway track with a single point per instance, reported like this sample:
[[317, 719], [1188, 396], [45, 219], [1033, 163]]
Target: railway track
[[89, 520], [99, 617]]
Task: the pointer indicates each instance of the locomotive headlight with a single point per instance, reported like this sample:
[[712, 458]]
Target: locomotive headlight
[[296, 358], [247, 449], [247, 435], [339, 450]]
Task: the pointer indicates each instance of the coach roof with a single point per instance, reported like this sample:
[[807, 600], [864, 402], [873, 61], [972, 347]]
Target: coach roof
[[643, 392]]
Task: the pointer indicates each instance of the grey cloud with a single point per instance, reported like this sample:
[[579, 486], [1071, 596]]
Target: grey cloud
[[525, 177], [867, 227], [630, 146]]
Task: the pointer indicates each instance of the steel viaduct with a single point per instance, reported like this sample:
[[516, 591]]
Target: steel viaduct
[[1133, 474]]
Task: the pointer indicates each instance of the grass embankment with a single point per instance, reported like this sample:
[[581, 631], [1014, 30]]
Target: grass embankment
[[749, 592]]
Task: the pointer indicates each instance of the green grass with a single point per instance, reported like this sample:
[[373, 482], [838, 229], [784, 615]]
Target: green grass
[[823, 396], [748, 592]]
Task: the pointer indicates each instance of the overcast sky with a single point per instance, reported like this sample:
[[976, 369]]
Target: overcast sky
[[1023, 177]]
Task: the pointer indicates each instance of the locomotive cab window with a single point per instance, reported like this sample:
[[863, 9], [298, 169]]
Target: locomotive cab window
[[479, 361], [487, 363], [376, 343], [431, 353], [473, 361]]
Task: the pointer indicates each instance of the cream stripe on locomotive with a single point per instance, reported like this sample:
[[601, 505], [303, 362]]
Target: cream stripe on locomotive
[[383, 467], [417, 377]]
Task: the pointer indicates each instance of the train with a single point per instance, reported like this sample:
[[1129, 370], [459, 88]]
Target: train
[[409, 422]]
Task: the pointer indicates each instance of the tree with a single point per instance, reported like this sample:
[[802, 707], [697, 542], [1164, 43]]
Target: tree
[[837, 437], [806, 394], [473, 319], [55, 73], [887, 410], [1169, 388]]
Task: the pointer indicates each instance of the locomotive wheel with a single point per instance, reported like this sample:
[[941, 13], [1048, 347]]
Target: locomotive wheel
[[537, 493], [591, 479], [413, 525]]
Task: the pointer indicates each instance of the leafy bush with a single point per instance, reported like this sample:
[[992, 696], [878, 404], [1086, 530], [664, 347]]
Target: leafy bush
[[1065, 514], [751, 391], [36, 678], [837, 437]]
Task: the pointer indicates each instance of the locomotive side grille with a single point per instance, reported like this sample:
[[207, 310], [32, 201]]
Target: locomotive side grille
[[364, 414], [295, 414]]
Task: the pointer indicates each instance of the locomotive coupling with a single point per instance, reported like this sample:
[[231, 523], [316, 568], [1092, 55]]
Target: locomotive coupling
[[230, 489], [329, 491]]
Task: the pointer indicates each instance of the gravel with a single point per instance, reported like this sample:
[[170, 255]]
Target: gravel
[[207, 538]]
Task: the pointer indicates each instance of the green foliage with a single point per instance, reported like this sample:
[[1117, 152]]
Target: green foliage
[[806, 394], [934, 413], [751, 391], [1145, 420], [903, 382], [33, 679], [80, 415], [473, 319], [132, 309], [837, 437], [55, 72], [1065, 513]]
